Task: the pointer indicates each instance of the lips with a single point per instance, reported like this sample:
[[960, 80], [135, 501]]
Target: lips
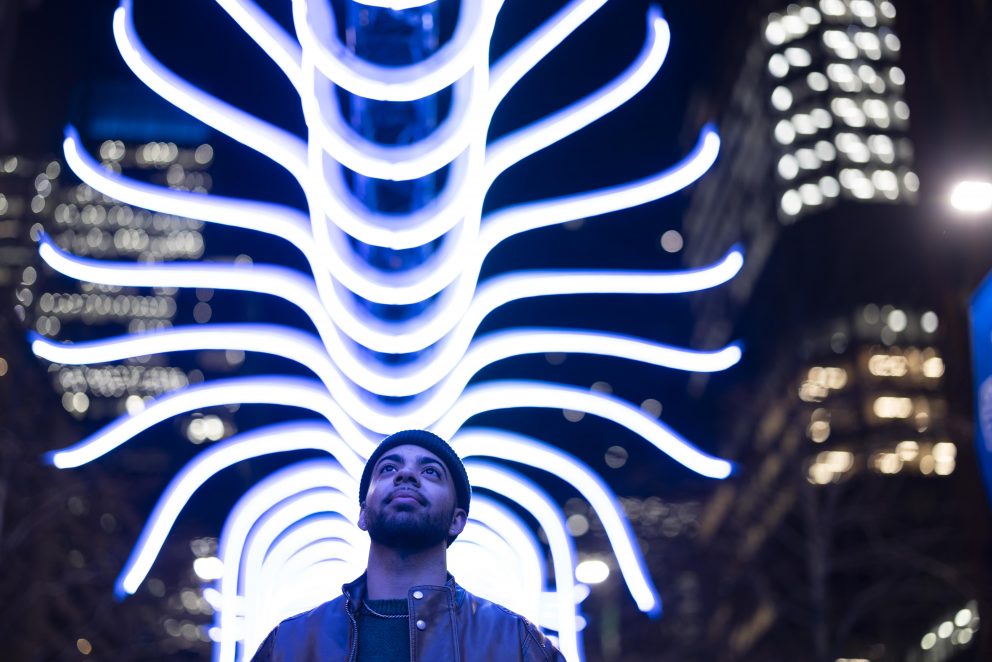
[[405, 496]]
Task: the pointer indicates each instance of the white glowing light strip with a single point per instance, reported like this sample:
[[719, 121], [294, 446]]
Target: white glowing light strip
[[487, 565], [276, 281], [468, 45], [293, 392], [303, 348], [305, 536], [506, 223], [266, 530], [394, 162], [449, 265], [512, 148], [549, 517], [265, 587], [284, 391], [266, 495], [208, 463], [397, 5], [518, 285], [446, 267], [277, 144], [264, 279], [386, 337], [269, 35], [534, 453], [511, 221], [277, 220], [396, 231], [430, 224], [510, 527], [293, 588], [271, 219], [495, 395], [534, 47]]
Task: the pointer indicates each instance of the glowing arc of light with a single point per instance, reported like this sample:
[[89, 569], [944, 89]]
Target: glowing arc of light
[[470, 442], [507, 394], [277, 144], [392, 338], [467, 46], [220, 456], [503, 445], [273, 390], [269, 35], [440, 386], [267, 494], [489, 476], [512, 148]]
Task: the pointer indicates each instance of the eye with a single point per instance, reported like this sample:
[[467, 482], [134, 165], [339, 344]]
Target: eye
[[432, 471], [386, 467]]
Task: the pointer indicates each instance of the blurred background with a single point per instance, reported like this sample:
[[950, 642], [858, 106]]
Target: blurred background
[[856, 526]]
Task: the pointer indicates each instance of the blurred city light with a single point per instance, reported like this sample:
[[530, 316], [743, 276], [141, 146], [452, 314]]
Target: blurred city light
[[972, 197]]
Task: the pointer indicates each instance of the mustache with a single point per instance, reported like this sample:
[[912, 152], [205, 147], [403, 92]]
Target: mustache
[[406, 491]]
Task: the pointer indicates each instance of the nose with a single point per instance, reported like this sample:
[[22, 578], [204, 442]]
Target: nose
[[406, 474]]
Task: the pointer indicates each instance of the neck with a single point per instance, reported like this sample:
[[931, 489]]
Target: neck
[[392, 572]]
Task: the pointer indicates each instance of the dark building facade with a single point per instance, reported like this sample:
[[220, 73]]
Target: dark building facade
[[835, 540]]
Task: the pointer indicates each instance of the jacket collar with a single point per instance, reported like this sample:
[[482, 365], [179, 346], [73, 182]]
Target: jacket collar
[[355, 591]]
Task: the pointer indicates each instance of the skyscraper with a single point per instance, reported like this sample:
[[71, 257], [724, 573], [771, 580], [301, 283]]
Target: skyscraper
[[839, 422]]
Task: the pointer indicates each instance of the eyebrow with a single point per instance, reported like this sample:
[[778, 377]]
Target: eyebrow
[[423, 460]]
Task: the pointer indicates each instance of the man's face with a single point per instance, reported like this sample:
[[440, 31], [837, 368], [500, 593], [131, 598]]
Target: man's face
[[411, 502]]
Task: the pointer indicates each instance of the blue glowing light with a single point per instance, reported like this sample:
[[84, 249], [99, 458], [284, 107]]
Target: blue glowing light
[[293, 534]]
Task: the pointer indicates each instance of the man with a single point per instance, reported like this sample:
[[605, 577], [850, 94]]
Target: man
[[414, 497]]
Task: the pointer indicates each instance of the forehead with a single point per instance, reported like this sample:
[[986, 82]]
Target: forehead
[[411, 453]]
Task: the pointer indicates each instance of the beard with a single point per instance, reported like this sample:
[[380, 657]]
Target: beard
[[408, 530]]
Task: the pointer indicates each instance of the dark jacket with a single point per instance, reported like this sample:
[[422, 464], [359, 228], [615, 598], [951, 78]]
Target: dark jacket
[[447, 623]]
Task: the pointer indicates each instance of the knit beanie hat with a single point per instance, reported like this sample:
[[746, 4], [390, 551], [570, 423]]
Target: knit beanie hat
[[428, 441]]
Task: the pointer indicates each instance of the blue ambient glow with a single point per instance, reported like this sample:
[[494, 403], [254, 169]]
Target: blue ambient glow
[[295, 533]]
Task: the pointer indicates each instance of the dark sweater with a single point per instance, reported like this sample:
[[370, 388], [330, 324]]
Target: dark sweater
[[384, 639]]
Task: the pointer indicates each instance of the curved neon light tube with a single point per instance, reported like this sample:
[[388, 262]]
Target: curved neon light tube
[[505, 223], [387, 337], [516, 146], [281, 146], [266, 495], [518, 285], [307, 394], [303, 348], [527, 450], [501, 481], [220, 456], [468, 46], [269, 35], [273, 219], [395, 4], [430, 224], [285, 391], [495, 395], [395, 162], [266, 529], [515, 64], [290, 589]]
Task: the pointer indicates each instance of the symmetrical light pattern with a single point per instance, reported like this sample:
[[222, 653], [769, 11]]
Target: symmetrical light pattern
[[292, 539]]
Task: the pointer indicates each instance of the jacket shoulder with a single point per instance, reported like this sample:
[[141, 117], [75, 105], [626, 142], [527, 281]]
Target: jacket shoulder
[[303, 632], [534, 645]]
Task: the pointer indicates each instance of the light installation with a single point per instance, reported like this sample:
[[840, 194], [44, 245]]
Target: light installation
[[292, 538]]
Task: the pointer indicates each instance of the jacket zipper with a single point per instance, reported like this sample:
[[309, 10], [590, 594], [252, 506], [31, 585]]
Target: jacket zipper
[[353, 652]]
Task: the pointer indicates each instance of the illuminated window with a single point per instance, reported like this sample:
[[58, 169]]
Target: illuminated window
[[893, 407]]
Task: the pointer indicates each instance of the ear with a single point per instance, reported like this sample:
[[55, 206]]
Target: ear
[[362, 523], [458, 520]]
